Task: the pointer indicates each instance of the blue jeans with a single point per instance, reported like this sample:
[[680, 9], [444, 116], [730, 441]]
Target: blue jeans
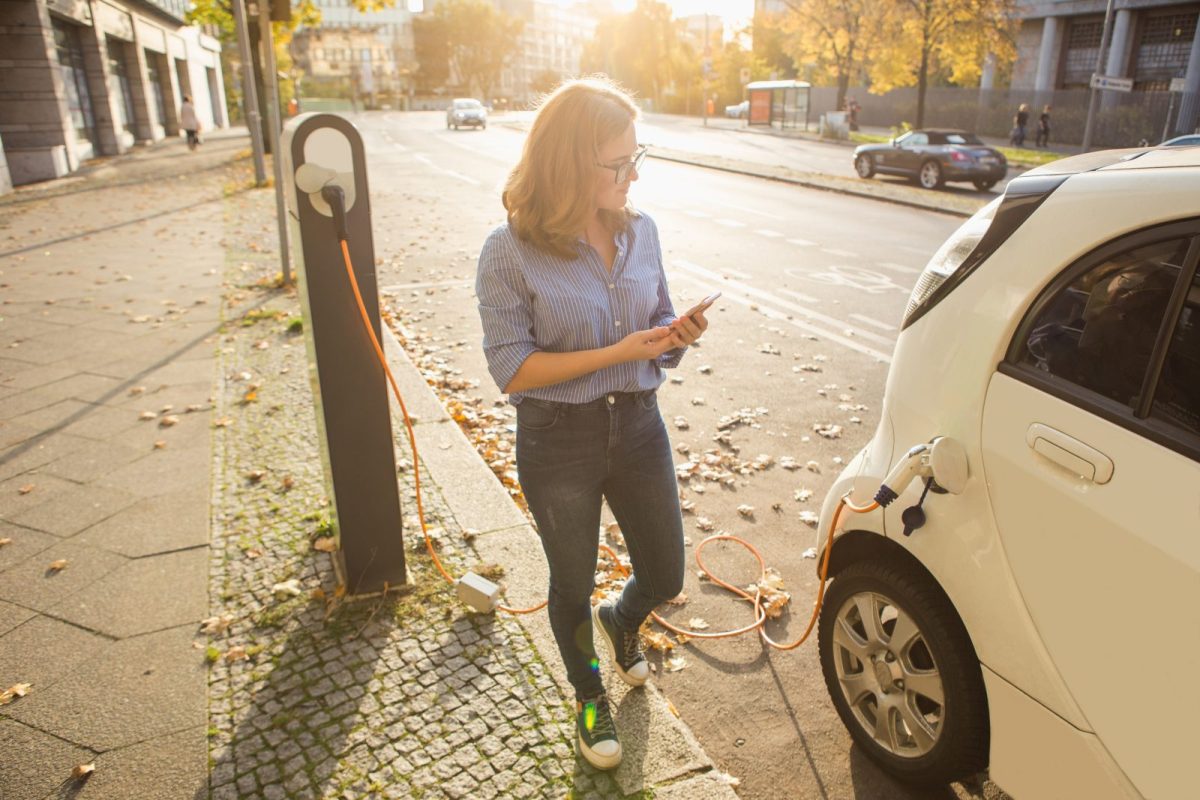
[[569, 456]]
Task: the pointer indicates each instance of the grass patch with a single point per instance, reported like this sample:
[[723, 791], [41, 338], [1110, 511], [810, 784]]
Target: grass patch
[[295, 325], [212, 654], [257, 315]]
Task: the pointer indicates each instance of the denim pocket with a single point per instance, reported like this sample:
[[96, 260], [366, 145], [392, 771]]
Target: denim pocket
[[535, 416], [649, 401]]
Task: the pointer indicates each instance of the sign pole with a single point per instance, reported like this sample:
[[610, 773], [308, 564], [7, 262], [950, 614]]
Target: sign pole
[[1094, 100]]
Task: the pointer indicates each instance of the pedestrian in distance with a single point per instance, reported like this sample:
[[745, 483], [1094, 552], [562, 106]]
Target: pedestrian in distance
[[1020, 123], [1043, 129], [189, 122], [578, 327]]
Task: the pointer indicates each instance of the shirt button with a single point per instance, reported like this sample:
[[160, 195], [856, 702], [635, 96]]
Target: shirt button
[[618, 323], [611, 399], [612, 286]]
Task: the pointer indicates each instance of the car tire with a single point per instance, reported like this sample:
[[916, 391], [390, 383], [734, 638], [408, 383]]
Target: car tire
[[447, 126], [984, 186], [483, 126], [864, 165], [924, 742], [930, 175]]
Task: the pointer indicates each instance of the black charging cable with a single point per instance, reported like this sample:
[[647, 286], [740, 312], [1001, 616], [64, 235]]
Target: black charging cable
[[335, 196]]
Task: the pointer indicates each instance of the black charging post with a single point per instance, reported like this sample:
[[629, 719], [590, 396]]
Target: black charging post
[[354, 424]]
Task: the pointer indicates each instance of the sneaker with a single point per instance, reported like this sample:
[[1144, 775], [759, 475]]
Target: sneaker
[[597, 733], [624, 648]]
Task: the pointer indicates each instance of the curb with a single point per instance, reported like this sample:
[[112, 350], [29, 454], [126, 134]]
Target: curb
[[669, 759]]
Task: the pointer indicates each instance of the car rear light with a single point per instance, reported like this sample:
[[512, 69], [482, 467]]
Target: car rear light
[[975, 240], [959, 155]]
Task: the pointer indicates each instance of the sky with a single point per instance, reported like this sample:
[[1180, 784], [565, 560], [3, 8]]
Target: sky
[[732, 11]]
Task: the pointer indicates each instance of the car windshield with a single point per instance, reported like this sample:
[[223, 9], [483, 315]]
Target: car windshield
[[467, 104]]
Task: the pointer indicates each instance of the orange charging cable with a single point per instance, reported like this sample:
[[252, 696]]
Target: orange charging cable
[[760, 613]]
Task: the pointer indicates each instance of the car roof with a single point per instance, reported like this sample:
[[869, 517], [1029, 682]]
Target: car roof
[[1131, 158], [944, 130]]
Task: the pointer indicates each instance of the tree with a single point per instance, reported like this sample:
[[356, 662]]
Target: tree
[[431, 47], [545, 81], [479, 41], [640, 50], [836, 36], [947, 39], [728, 72], [768, 40]]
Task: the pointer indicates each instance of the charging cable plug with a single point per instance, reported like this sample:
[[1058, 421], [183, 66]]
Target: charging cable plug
[[478, 592], [914, 463], [335, 196]]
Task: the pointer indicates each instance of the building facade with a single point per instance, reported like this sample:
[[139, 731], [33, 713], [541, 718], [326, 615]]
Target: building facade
[[551, 44], [85, 78], [1152, 43], [360, 54]]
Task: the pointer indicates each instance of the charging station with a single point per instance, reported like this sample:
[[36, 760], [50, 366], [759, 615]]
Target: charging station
[[354, 424]]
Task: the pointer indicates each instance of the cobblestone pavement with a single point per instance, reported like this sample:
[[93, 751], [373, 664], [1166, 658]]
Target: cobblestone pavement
[[412, 696]]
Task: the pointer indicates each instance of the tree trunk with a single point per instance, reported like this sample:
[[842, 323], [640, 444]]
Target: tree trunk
[[922, 85], [843, 85]]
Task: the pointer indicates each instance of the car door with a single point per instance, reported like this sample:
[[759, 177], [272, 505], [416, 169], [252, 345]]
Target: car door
[[1091, 449], [911, 151]]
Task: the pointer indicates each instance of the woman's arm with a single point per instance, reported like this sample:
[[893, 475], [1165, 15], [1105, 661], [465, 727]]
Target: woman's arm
[[545, 369]]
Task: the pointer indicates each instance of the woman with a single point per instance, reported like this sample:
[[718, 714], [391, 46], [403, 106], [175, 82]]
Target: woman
[[189, 122], [578, 327]]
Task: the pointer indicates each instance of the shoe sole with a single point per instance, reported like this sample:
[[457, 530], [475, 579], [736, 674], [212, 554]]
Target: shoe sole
[[596, 760], [612, 649]]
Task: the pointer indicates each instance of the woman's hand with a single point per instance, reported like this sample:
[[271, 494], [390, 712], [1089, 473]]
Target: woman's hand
[[687, 329], [646, 345]]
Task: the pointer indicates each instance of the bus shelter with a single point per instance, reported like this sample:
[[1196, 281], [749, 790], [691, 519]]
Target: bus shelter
[[782, 103]]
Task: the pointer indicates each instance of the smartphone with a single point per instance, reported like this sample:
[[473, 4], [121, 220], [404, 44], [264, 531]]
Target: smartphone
[[703, 304]]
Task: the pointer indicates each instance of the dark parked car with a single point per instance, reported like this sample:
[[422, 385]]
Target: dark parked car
[[466, 111], [934, 157]]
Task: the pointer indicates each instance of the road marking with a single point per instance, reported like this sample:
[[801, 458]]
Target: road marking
[[799, 296], [424, 159], [839, 253], [770, 234], [747, 210], [811, 316], [801, 242], [402, 287], [898, 267], [875, 322], [729, 223], [857, 278]]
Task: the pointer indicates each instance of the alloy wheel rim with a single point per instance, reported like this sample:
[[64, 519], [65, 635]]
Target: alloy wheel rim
[[929, 175], [887, 675], [864, 165]]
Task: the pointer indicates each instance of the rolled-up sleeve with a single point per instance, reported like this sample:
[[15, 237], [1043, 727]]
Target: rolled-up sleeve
[[504, 310], [664, 312]]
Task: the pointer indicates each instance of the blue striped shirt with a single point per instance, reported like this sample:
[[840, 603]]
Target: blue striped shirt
[[531, 301]]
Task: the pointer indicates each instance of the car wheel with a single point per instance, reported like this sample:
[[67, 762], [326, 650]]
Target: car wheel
[[484, 126], [984, 186], [864, 165], [903, 674], [447, 126], [930, 176]]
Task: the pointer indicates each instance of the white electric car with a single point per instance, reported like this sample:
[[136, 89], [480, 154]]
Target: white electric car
[[1044, 621]]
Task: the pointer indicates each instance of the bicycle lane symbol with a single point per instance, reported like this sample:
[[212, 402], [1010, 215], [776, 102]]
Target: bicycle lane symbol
[[864, 280]]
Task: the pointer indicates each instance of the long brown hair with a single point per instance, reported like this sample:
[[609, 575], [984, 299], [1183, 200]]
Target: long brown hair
[[548, 193]]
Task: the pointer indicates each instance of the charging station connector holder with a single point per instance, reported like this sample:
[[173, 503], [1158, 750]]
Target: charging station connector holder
[[478, 592]]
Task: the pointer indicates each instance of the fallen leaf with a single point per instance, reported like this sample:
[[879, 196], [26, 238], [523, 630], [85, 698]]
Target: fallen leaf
[[746, 511], [254, 552], [724, 777], [326, 544], [288, 482], [681, 423], [288, 588], [136, 390], [223, 422], [809, 553], [26, 489], [4, 541], [697, 623], [216, 625], [809, 518], [160, 444], [674, 663], [255, 475], [145, 416], [168, 421], [83, 770], [657, 641], [16, 690], [57, 566], [237, 653]]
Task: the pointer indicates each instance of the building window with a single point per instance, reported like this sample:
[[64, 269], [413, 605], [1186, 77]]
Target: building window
[[119, 83], [70, 61], [1081, 47], [154, 77], [1164, 43]]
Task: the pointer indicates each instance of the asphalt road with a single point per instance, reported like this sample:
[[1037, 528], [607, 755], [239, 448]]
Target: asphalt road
[[814, 286]]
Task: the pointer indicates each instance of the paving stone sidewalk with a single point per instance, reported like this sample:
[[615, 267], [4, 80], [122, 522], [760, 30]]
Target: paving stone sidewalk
[[157, 434]]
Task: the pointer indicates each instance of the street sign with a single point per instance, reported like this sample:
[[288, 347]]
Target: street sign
[[1108, 82], [1178, 85]]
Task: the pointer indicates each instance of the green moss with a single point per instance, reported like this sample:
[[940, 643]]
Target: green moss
[[212, 654], [295, 325]]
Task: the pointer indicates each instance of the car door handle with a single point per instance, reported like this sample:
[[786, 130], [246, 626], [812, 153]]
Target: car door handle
[[1070, 453]]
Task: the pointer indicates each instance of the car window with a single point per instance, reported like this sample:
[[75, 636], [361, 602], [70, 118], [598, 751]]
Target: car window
[[962, 138], [1177, 396], [466, 104], [1099, 331], [938, 138], [916, 140]]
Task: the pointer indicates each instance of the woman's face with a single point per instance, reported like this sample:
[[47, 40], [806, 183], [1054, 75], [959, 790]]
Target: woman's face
[[609, 194]]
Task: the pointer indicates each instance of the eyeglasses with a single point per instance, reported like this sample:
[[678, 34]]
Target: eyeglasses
[[625, 167]]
